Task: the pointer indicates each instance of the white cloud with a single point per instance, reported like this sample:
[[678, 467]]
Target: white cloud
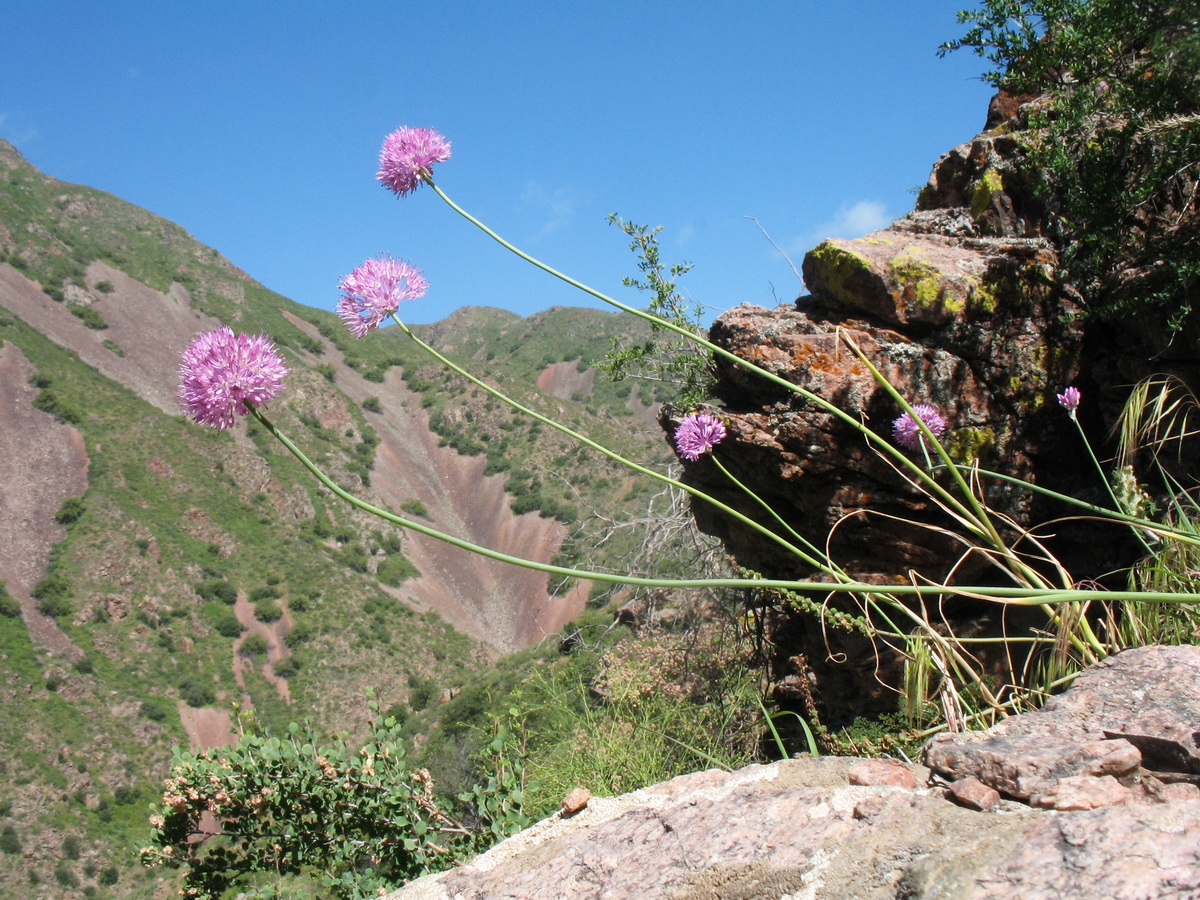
[[556, 207], [851, 221]]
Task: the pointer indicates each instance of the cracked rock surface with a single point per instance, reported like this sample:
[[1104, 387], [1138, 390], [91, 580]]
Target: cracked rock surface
[[840, 829]]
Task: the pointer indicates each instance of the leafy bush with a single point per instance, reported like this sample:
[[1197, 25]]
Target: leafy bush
[[48, 402], [254, 645], [1115, 148], [196, 693], [10, 841], [371, 404], [105, 286], [263, 592], [267, 610], [226, 624], [53, 595], [395, 570], [9, 607], [349, 817], [155, 709], [217, 589], [90, 317], [414, 507], [70, 511]]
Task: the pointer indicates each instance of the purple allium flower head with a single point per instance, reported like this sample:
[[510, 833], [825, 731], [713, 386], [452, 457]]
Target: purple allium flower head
[[407, 156], [1069, 400], [908, 434], [222, 374], [697, 434], [375, 290]]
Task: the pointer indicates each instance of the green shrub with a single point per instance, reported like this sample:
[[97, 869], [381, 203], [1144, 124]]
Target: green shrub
[[371, 404], [267, 610], [10, 842], [288, 668], [300, 633], [276, 792], [105, 286], [65, 876], [196, 693], [70, 511], [254, 645], [414, 507], [226, 624], [90, 317], [1114, 149], [48, 402], [395, 570], [53, 595], [155, 709], [9, 607]]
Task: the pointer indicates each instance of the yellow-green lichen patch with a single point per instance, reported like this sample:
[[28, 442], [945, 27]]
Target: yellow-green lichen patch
[[837, 270], [921, 283], [991, 183], [968, 445]]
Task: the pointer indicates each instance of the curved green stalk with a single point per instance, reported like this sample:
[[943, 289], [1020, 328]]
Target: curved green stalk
[[600, 448], [1157, 527], [1014, 596], [668, 325], [1104, 478], [832, 569]]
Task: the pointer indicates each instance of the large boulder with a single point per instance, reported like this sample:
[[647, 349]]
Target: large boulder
[[848, 829]]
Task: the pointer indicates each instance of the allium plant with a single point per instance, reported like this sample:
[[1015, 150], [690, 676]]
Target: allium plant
[[408, 156], [697, 434], [223, 375], [908, 433], [375, 290]]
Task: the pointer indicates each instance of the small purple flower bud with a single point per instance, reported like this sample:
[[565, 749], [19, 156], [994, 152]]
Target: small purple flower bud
[[1069, 400]]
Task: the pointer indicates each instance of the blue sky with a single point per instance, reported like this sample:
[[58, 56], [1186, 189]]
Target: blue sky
[[257, 125]]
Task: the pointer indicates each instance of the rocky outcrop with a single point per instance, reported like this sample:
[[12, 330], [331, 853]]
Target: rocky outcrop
[[959, 305], [879, 829]]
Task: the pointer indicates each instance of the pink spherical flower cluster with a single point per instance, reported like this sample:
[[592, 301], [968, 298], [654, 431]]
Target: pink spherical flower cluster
[[697, 434], [222, 374], [907, 432], [375, 290], [407, 156]]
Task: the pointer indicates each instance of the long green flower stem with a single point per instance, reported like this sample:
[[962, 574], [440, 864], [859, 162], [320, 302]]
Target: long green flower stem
[[816, 399], [616, 457], [1014, 596], [834, 569], [1104, 478], [982, 523], [1158, 528], [1090, 645]]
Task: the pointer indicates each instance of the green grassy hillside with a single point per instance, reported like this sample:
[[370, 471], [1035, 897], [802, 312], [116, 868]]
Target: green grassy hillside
[[197, 558]]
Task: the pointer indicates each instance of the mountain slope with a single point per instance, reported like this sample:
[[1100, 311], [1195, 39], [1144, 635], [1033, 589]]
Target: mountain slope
[[200, 570]]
